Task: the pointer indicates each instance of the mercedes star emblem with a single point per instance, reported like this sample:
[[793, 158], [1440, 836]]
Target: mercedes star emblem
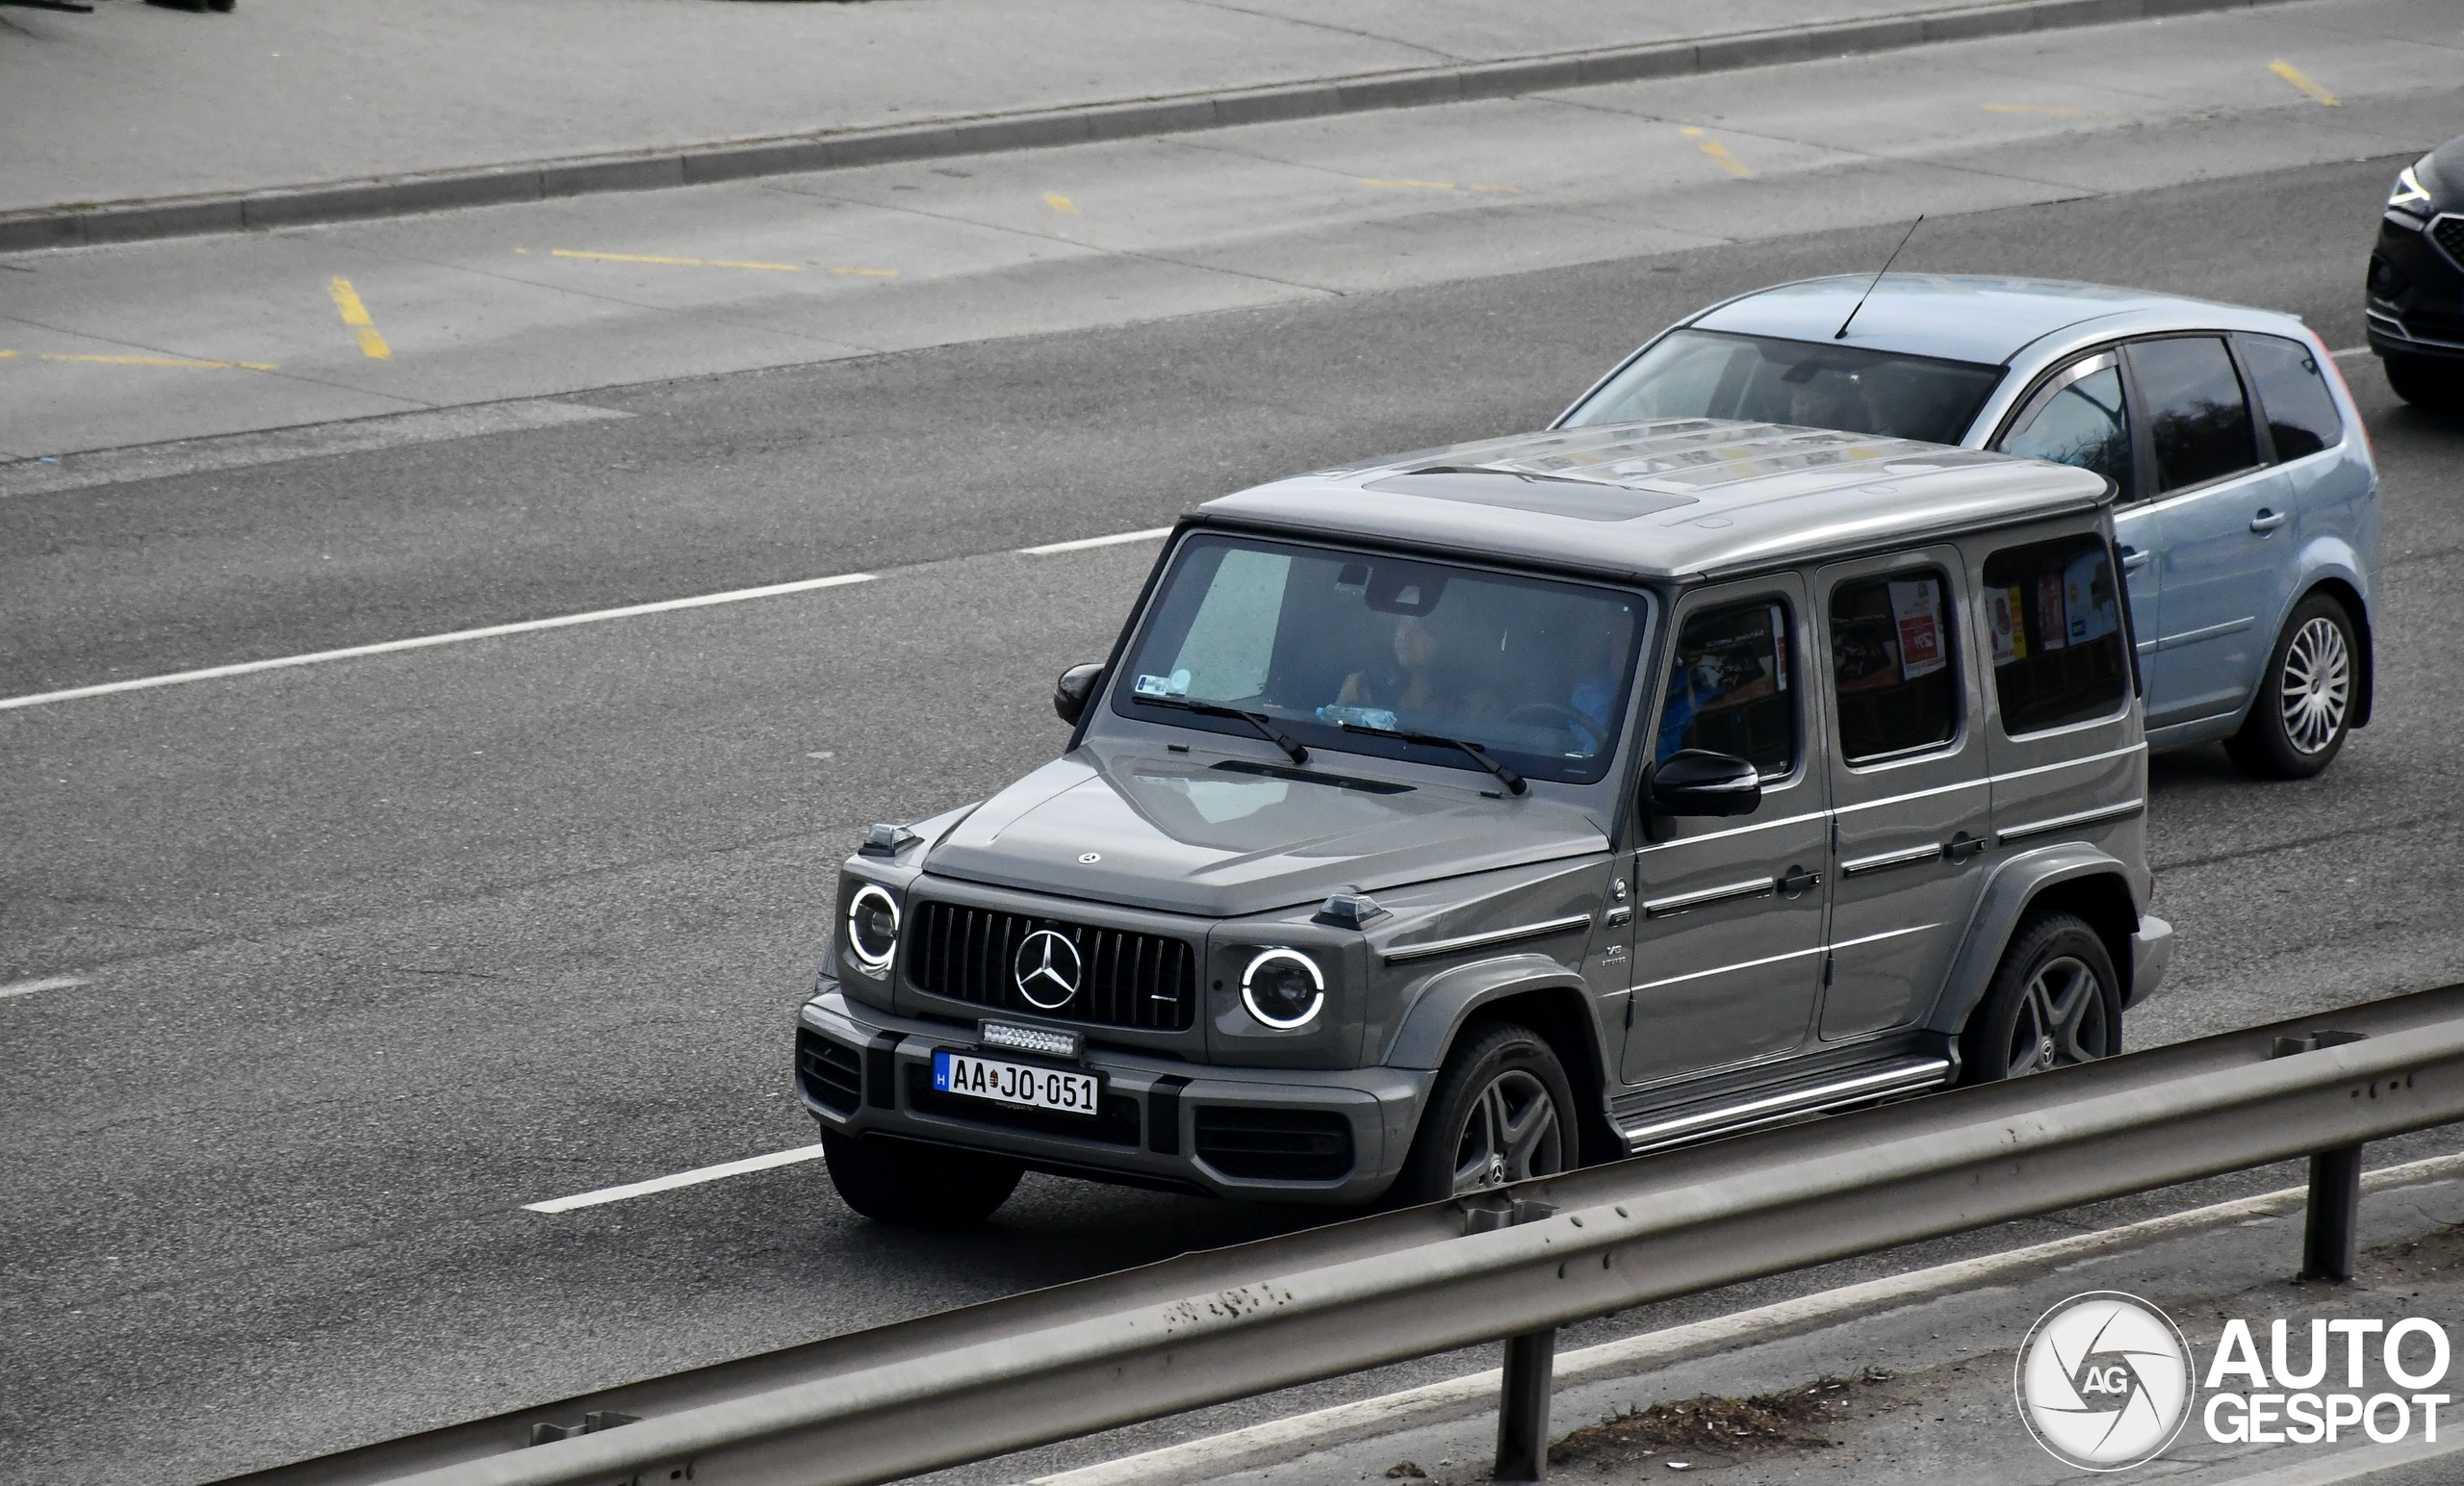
[[1047, 969]]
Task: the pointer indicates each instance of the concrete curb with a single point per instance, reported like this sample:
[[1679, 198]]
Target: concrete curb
[[1281, 1441], [82, 225]]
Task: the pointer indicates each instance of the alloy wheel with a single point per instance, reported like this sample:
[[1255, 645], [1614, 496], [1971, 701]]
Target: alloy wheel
[[2060, 1020], [2316, 685], [1510, 1132]]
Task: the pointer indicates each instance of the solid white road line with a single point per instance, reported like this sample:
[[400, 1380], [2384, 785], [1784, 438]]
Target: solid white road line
[[1282, 1440], [422, 642], [1084, 542], [693, 1178], [29, 987]]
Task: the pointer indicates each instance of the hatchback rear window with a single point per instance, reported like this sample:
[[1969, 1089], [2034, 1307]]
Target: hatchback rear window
[[2054, 615], [1703, 373]]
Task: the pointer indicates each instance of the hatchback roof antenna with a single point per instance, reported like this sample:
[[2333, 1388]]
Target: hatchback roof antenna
[[1841, 334]]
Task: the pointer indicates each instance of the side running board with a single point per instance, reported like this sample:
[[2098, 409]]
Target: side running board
[[1913, 1076]]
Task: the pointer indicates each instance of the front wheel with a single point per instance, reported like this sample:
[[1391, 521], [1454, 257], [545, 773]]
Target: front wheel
[[2434, 385], [2054, 1002], [1502, 1111], [2303, 710], [914, 1185]]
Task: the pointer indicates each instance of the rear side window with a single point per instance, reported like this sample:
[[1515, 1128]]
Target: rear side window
[[1729, 688], [1890, 666], [2197, 417], [2054, 616], [2293, 396]]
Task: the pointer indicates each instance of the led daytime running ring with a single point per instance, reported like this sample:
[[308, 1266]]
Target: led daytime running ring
[[856, 939], [1316, 978]]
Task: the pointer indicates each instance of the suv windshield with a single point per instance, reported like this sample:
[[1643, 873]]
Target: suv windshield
[[1531, 671], [1703, 373]]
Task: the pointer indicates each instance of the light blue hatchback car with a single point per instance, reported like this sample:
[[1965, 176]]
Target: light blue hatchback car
[[2248, 504]]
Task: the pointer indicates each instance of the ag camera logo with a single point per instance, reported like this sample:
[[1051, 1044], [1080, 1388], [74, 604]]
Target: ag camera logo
[[2104, 1381]]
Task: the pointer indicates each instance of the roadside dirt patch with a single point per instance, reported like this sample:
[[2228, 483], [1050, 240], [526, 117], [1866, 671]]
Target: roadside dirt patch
[[1711, 1428]]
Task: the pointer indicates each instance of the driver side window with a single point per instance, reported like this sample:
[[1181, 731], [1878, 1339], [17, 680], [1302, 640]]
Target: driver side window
[[2083, 422], [1730, 687]]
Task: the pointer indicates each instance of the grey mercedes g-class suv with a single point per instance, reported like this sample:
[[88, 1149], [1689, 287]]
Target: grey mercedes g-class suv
[[1465, 816]]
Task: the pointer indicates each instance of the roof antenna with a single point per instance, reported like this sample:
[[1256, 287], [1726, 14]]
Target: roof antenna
[[1841, 334]]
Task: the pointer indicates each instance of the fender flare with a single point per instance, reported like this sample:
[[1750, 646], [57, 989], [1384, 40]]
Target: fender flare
[[2015, 886], [1453, 997]]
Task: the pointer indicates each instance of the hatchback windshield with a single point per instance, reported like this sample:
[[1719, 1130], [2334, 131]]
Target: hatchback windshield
[[1345, 651], [1703, 373]]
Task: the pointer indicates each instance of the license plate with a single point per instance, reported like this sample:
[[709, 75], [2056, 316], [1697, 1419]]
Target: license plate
[[1014, 1083]]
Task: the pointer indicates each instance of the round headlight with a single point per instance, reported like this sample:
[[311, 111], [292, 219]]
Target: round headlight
[[872, 926], [1283, 988]]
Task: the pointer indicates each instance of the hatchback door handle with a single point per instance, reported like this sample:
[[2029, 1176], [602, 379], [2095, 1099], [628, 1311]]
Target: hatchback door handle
[[1797, 879], [2268, 520], [2134, 558]]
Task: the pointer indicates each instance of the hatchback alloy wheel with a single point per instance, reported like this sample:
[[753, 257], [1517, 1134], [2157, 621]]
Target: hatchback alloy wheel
[[2060, 1020], [2316, 687], [1511, 1131]]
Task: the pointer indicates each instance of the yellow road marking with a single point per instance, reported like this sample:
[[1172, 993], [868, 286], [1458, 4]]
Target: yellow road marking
[[2294, 75], [1719, 152], [1061, 204], [355, 314], [2027, 108], [157, 361]]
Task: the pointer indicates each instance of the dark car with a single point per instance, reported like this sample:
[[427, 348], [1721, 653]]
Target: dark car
[[2417, 281]]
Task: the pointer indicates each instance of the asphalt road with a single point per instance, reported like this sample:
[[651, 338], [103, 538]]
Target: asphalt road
[[374, 952]]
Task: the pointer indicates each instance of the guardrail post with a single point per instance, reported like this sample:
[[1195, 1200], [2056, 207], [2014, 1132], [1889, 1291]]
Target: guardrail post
[[1523, 1407], [2334, 1216]]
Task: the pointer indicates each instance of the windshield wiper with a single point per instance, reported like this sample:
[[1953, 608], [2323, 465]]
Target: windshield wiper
[[1259, 720], [1512, 781]]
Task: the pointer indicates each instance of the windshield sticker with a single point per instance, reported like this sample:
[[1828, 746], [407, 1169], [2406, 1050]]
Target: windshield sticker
[[1176, 684], [1359, 716]]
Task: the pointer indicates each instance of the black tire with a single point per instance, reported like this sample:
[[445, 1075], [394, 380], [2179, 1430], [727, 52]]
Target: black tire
[[1502, 1110], [913, 1185], [2434, 385], [2304, 712], [2054, 1001]]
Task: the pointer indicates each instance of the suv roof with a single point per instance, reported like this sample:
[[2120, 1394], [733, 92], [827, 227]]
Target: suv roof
[[1668, 498]]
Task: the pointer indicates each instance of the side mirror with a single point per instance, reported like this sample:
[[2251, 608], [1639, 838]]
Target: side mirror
[[1696, 782], [1069, 694]]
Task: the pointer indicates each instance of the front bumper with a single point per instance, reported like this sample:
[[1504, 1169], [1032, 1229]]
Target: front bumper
[[2416, 289], [1282, 1135]]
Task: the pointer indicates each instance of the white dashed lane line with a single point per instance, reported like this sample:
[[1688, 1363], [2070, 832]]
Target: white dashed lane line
[[692, 1178], [48, 983], [1117, 539]]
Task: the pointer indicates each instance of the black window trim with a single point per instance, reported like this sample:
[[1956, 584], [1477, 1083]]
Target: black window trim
[[1954, 619]]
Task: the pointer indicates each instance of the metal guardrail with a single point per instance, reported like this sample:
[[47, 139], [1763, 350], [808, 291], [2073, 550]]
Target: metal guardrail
[[1206, 1328]]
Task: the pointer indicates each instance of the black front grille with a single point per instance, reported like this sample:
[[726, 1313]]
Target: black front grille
[[2449, 230], [1117, 1123], [1124, 979], [831, 1074], [1275, 1145]]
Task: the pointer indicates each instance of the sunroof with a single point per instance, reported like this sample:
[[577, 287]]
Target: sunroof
[[1538, 494]]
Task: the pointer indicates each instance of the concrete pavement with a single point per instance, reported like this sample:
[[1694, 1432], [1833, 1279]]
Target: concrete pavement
[[126, 106], [199, 338]]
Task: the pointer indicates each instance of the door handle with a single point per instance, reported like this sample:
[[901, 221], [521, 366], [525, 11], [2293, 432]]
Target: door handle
[[1963, 846], [2268, 520], [1797, 879], [2134, 558]]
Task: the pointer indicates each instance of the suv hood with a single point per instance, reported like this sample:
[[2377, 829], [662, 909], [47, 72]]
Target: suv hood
[[1182, 837]]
